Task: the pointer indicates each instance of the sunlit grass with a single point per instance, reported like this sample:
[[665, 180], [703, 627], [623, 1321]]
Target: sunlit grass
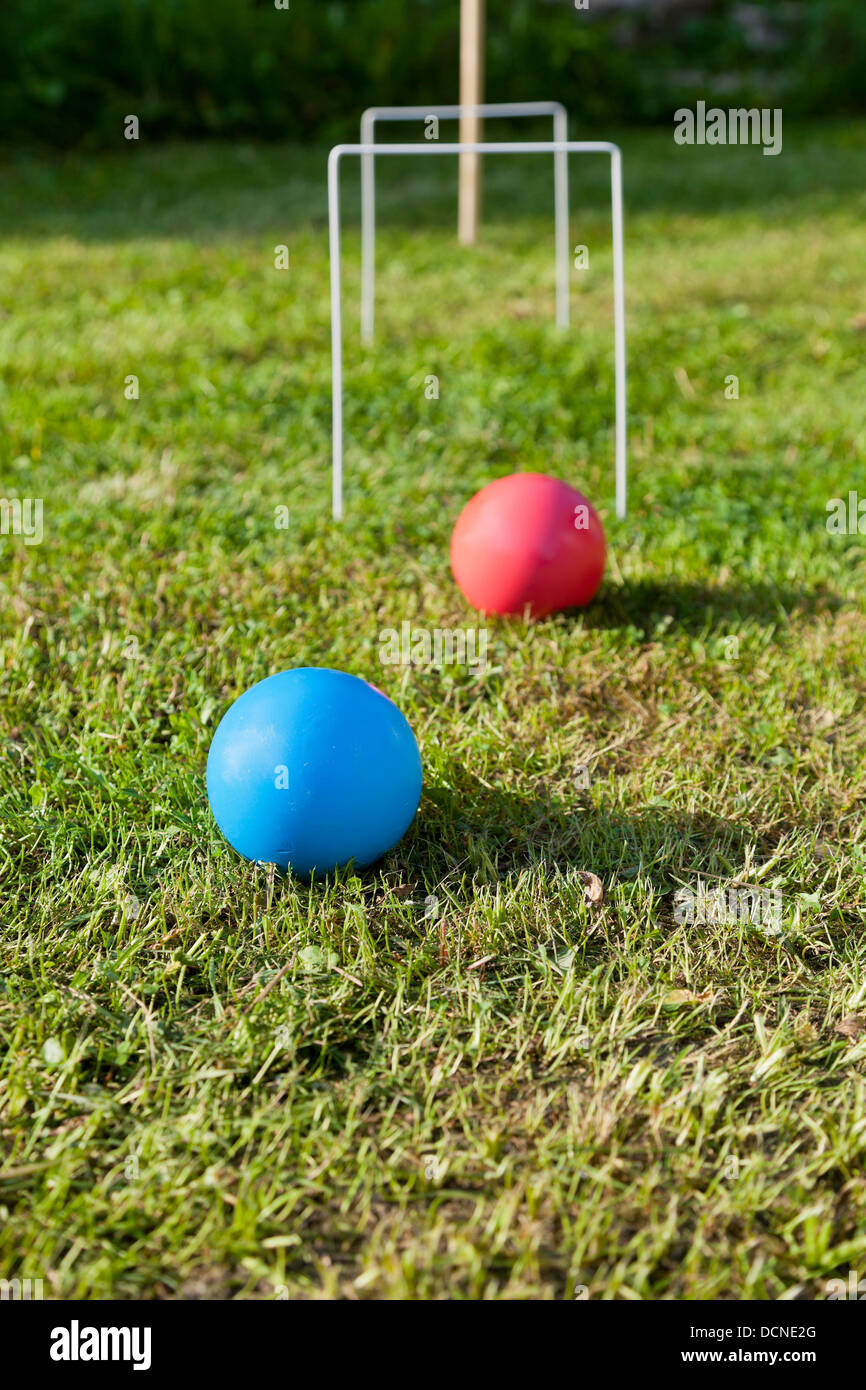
[[500, 1090]]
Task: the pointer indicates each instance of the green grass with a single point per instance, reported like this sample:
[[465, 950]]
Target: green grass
[[215, 1083]]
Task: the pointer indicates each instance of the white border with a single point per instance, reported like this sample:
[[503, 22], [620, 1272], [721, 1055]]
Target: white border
[[501, 147]]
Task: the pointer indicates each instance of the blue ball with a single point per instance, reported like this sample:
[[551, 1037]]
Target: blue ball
[[311, 769]]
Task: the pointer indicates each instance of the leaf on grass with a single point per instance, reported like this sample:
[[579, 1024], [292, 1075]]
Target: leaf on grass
[[593, 889], [400, 891], [677, 998], [314, 961], [683, 382], [206, 712], [480, 964], [52, 1052], [805, 1030], [768, 1064], [852, 1026]]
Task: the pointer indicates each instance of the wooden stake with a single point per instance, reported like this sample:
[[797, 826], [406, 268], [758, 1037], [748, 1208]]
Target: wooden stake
[[471, 94]]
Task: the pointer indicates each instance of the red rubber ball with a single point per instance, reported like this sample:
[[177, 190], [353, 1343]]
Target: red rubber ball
[[528, 541]]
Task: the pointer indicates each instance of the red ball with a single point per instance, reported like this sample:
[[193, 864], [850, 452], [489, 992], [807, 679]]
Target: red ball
[[528, 541]]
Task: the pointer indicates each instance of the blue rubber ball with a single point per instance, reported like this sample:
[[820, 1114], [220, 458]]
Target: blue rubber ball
[[313, 768]]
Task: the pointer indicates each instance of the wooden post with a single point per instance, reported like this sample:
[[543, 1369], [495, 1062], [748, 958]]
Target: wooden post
[[471, 94]]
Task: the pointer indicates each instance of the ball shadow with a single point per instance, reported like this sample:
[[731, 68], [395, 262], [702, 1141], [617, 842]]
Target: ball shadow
[[471, 825], [696, 607]]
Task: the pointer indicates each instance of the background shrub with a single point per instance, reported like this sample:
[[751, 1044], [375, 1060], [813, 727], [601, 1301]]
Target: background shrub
[[70, 71]]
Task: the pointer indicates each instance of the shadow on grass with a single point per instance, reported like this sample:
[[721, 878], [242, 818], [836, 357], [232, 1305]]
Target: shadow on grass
[[211, 190], [695, 607], [474, 826]]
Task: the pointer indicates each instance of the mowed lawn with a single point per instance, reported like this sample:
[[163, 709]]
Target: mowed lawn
[[451, 1075]]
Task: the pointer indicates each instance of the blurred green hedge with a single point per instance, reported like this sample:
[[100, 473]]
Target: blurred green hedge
[[70, 70]]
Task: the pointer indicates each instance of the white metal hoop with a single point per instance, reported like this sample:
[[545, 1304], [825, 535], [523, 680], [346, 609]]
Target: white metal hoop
[[494, 110], [501, 147]]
